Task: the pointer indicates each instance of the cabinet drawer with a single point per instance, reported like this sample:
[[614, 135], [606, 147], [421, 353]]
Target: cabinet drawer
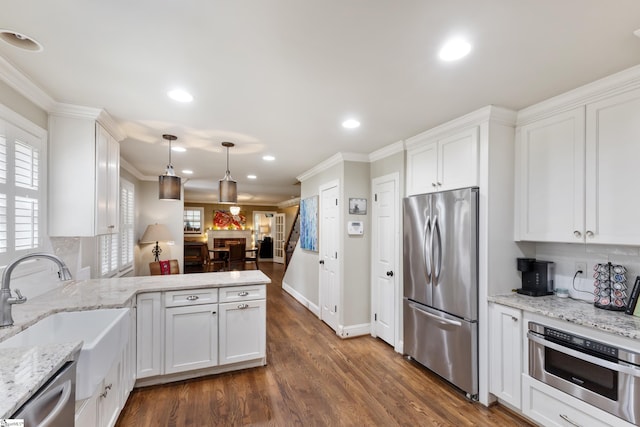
[[243, 293], [190, 297], [552, 407]]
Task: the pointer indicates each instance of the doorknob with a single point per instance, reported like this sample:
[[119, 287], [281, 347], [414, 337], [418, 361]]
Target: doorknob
[[390, 273], [322, 261]]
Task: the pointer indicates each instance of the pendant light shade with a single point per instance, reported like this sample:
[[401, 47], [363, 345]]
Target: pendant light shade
[[169, 185], [227, 187]]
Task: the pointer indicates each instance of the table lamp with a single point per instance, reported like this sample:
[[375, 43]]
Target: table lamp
[[156, 233]]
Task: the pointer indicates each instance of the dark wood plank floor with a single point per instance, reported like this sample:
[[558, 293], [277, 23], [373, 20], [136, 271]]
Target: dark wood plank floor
[[313, 378]]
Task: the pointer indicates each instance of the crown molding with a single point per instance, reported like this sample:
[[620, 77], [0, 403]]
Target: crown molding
[[384, 152], [611, 85], [90, 113], [24, 85], [135, 172], [288, 203], [492, 113]]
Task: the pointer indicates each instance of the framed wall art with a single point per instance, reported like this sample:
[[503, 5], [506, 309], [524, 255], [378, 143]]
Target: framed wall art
[[309, 223], [357, 206]]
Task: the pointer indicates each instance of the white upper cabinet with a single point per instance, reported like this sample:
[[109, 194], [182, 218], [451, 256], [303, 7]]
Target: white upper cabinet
[[550, 164], [84, 175], [576, 174], [612, 161], [442, 163]]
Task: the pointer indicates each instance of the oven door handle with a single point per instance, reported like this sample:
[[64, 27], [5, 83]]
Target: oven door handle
[[625, 369]]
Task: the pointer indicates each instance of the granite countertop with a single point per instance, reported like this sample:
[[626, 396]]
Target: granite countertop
[[575, 311], [24, 370]]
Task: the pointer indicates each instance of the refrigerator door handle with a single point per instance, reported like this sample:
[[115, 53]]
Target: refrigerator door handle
[[437, 266], [427, 253], [438, 319]]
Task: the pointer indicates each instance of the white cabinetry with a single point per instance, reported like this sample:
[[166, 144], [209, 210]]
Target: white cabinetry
[[84, 175], [442, 162], [551, 407], [150, 334], [575, 172], [505, 353], [550, 168], [242, 324], [191, 330]]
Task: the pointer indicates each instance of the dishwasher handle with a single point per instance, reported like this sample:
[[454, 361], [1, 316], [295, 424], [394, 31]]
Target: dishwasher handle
[[65, 394]]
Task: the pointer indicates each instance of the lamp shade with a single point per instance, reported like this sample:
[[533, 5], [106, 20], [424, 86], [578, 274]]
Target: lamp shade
[[235, 210], [169, 187], [227, 190], [156, 233]]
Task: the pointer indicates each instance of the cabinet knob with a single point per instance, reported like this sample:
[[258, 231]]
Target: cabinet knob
[[434, 184], [243, 306], [389, 273], [214, 313], [589, 233], [515, 319], [439, 183], [192, 297], [577, 234]]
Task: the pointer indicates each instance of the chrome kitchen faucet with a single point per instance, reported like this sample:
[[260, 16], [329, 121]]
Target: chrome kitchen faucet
[[6, 300]]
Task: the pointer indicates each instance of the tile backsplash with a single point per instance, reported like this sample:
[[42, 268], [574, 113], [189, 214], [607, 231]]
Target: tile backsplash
[[566, 255]]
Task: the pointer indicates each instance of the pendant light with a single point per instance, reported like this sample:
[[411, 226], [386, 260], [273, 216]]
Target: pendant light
[[227, 187], [169, 184]]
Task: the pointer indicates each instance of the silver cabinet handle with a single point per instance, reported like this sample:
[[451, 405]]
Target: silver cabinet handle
[[243, 294], [243, 306], [589, 233], [439, 183], [515, 319], [434, 184], [577, 234], [192, 297], [567, 419]]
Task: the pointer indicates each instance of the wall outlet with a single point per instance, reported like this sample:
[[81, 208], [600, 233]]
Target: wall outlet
[[581, 266]]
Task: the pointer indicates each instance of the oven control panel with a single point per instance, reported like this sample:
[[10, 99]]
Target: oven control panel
[[581, 342]]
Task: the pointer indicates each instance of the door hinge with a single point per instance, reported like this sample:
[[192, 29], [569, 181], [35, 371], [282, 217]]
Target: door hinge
[[336, 202], [335, 308], [375, 197], [375, 317], [336, 255]]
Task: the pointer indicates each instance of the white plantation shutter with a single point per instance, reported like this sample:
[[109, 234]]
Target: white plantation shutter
[[115, 251], [21, 192]]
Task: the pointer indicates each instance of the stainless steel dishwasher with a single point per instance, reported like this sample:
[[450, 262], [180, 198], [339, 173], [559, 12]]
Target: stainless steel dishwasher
[[53, 405]]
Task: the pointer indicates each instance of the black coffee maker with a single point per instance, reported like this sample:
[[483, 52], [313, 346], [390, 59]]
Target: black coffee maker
[[537, 277]]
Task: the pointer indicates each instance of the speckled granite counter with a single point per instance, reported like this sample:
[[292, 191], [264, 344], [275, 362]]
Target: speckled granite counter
[[24, 370], [19, 380], [574, 311]]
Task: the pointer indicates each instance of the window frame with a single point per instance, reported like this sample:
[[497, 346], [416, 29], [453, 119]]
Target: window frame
[[114, 240], [34, 136], [200, 210]]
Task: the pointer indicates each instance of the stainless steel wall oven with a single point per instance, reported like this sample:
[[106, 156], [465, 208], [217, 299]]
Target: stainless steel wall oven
[[600, 374]]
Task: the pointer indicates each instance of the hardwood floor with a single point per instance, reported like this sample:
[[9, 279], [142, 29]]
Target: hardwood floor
[[313, 378]]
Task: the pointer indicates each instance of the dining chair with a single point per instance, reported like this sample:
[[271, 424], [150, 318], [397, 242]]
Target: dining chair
[[236, 256], [254, 256], [159, 268]]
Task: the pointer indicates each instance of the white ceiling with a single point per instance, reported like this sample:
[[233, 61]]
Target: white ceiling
[[279, 76]]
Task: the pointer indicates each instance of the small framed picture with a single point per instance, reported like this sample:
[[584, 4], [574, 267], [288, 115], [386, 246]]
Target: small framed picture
[[357, 206]]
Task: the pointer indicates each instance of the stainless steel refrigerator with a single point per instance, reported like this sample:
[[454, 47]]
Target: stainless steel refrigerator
[[441, 284]]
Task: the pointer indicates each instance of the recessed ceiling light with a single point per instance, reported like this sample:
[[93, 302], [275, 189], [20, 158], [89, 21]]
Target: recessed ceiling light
[[187, 171], [351, 124], [178, 149], [454, 49], [251, 176], [180, 95], [20, 41], [268, 158]]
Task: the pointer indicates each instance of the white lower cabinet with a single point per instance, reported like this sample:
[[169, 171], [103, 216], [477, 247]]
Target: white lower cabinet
[[149, 334], [191, 340], [505, 351], [551, 407], [242, 331]]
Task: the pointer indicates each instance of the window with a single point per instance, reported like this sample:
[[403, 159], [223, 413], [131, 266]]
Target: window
[[194, 221], [21, 187], [115, 251]]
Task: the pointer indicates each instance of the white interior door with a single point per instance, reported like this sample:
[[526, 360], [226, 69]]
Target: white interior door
[[328, 247], [278, 238], [385, 292]]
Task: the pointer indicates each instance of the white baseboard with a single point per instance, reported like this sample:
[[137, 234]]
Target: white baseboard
[[315, 309], [354, 330]]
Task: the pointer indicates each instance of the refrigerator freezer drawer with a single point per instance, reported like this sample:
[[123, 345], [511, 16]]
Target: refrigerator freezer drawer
[[445, 344]]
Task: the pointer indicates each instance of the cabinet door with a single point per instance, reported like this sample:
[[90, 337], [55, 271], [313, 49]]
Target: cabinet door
[[107, 182], [550, 168], [149, 334], [458, 160], [422, 169], [505, 348], [613, 151], [242, 331], [191, 340], [109, 404]]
